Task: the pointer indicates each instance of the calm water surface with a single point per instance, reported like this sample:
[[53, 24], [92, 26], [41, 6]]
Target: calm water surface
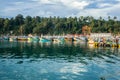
[[57, 61]]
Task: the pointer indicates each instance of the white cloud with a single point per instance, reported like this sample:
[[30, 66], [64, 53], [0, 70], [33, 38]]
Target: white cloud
[[63, 8], [74, 4], [34, 0], [117, 0], [79, 5], [104, 5], [18, 3], [107, 10], [114, 10], [46, 1]]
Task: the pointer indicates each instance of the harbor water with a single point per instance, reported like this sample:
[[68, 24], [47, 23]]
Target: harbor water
[[58, 61]]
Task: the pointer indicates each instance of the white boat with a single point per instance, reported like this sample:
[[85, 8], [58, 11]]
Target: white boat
[[12, 38]]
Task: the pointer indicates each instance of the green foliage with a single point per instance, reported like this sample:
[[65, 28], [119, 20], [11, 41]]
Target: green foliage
[[55, 25]]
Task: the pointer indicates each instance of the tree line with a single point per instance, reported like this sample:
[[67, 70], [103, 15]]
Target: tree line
[[20, 25]]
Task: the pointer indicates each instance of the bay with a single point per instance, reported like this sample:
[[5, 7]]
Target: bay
[[58, 61]]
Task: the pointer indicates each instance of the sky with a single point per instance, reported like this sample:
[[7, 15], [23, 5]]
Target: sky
[[62, 8]]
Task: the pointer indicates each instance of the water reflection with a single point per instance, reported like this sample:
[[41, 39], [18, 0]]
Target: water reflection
[[73, 52], [58, 61]]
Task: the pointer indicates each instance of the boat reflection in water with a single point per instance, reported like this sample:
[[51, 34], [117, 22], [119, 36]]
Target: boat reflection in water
[[58, 61]]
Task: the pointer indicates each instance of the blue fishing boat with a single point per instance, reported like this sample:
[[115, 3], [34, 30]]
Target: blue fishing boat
[[44, 39], [6, 38], [36, 38]]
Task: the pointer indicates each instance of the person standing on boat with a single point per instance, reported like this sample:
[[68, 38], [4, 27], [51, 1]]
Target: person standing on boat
[[116, 40], [104, 41]]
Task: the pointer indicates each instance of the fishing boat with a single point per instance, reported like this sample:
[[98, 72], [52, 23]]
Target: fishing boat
[[114, 44], [36, 38], [13, 38], [69, 39], [44, 39], [76, 39], [22, 38], [6, 38], [80, 39], [58, 39], [33, 39], [108, 43]]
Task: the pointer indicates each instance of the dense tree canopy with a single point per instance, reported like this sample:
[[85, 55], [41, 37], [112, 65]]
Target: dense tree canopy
[[21, 25]]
